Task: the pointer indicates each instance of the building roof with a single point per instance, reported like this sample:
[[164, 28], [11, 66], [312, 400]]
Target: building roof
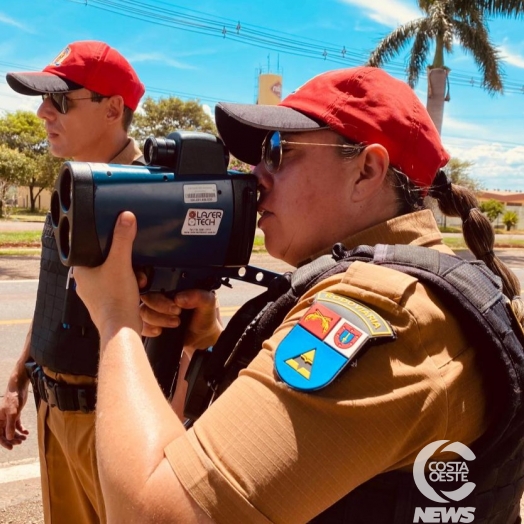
[[507, 197]]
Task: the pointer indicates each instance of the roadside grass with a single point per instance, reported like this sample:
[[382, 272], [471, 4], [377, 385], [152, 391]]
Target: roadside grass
[[25, 215], [28, 243], [20, 251], [20, 238], [22, 243], [258, 245], [459, 243]]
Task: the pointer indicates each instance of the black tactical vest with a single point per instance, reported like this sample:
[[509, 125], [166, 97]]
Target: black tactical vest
[[473, 294], [63, 336]]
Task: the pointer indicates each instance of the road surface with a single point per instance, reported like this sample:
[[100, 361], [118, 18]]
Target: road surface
[[19, 469]]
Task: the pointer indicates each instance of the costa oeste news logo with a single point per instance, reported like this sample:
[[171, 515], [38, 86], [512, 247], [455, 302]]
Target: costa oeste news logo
[[454, 472]]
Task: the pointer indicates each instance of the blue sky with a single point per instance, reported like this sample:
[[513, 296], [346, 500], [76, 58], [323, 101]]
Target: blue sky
[[179, 48]]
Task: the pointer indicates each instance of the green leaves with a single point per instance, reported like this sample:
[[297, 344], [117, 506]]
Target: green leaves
[[457, 172], [445, 22], [24, 131], [493, 209], [507, 8], [24, 156], [510, 219], [14, 165], [160, 117]]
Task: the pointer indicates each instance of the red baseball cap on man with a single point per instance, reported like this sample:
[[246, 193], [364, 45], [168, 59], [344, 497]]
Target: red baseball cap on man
[[362, 104], [90, 64]]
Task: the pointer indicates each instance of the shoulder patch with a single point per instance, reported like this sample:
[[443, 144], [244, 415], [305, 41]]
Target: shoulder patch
[[326, 339], [362, 315]]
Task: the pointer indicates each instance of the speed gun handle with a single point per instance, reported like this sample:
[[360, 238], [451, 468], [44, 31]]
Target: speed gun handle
[[164, 353]]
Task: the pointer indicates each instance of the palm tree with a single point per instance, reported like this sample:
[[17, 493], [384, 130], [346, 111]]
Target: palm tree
[[443, 22], [498, 7]]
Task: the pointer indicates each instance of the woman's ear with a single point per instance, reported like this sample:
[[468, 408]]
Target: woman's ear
[[373, 165]]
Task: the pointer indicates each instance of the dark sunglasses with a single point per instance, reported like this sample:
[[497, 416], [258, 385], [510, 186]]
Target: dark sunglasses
[[60, 101], [272, 149]]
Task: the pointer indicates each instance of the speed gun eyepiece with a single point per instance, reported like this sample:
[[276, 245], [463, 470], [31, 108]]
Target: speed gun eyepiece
[[191, 211], [181, 152], [160, 151]]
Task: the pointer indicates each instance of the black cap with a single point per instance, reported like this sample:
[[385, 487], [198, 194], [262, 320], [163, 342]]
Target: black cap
[[243, 127], [33, 84]]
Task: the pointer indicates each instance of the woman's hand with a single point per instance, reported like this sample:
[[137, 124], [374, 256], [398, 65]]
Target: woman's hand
[[158, 311], [110, 291]]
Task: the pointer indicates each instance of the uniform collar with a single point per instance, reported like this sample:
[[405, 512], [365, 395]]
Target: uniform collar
[[130, 152], [418, 228]]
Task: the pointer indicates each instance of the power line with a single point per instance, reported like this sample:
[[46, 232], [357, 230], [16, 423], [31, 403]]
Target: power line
[[180, 94], [162, 14], [162, 91], [485, 140], [268, 39]]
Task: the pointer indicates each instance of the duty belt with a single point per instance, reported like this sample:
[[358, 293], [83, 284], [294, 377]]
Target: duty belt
[[57, 394]]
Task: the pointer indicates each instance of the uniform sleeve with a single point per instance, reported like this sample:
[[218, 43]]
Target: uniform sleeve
[[264, 452]]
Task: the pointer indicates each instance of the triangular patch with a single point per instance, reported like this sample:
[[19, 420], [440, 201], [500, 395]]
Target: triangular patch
[[303, 363]]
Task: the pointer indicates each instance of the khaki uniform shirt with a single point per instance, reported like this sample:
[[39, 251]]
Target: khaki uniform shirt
[[264, 452], [128, 155]]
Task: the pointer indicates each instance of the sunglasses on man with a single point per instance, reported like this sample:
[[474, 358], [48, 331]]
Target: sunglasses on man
[[272, 149], [61, 101]]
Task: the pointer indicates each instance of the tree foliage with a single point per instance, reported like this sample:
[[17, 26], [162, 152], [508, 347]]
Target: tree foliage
[[507, 8], [510, 219], [42, 177], [24, 131], [444, 22], [14, 167], [160, 117], [457, 172], [238, 165], [493, 209]]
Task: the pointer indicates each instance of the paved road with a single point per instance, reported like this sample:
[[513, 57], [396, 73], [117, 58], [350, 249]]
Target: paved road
[[19, 472], [19, 469], [13, 225]]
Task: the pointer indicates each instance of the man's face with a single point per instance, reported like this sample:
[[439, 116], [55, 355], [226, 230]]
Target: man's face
[[77, 134], [306, 205]]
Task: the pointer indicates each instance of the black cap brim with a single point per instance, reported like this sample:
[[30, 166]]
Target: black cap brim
[[33, 84], [243, 127]]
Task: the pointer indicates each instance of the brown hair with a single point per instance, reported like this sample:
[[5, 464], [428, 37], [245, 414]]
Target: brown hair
[[454, 201], [458, 201], [127, 116]]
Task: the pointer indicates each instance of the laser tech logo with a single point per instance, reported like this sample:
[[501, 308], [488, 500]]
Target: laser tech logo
[[454, 472]]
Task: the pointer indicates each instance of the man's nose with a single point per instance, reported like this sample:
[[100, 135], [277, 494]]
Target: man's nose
[[46, 110]]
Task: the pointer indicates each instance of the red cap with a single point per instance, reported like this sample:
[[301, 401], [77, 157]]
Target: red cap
[[90, 64], [363, 104]]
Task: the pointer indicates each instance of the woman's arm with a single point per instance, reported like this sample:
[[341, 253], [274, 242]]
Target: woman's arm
[[134, 421]]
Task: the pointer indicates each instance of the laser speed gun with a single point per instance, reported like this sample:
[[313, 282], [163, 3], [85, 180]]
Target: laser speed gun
[[196, 220], [191, 211]]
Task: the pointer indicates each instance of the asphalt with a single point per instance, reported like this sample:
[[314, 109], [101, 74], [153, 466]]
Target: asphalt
[[20, 501], [14, 225]]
